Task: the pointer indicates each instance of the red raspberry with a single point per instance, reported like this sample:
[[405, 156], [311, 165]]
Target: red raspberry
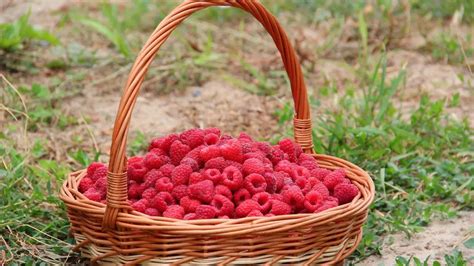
[[320, 173], [287, 146], [298, 172], [93, 194], [345, 193], [232, 151], [280, 208], [232, 178], [191, 162], [195, 154], [278, 197], [154, 161], [303, 184], [264, 147], [151, 177], [335, 177], [205, 212], [284, 166], [277, 155], [93, 167], [241, 195], [180, 174], [100, 172], [202, 191], [269, 215], [322, 189], [174, 211], [256, 155], [196, 178], [216, 163], [225, 138], [149, 193], [189, 205], [192, 137], [223, 217], [271, 182], [178, 151], [140, 205], [293, 196], [255, 183], [313, 200], [134, 191], [214, 175], [209, 152], [234, 164], [152, 212], [85, 184], [245, 137], [253, 166], [157, 151], [255, 213], [223, 205], [101, 185], [264, 200], [211, 139], [224, 191], [164, 143], [167, 169], [212, 130], [179, 192], [164, 184], [190, 216], [280, 180], [313, 181], [136, 171], [161, 201], [246, 207], [328, 204], [298, 150], [247, 147]]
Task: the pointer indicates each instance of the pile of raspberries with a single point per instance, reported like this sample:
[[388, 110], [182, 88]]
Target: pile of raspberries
[[202, 174]]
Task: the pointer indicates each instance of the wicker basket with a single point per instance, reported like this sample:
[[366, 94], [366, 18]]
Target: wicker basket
[[114, 233]]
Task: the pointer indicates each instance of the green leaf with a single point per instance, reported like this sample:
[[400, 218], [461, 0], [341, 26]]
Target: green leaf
[[469, 243]]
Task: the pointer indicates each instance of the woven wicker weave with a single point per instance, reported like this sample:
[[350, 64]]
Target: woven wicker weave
[[115, 234]]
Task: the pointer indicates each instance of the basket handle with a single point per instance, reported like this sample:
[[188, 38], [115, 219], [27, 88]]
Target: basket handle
[[117, 178]]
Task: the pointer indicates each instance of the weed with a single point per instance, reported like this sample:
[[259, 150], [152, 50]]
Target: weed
[[450, 48], [454, 259]]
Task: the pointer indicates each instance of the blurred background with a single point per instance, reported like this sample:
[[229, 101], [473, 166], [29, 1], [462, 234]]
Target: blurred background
[[390, 85]]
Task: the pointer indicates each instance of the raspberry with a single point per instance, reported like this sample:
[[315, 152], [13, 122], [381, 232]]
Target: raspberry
[[214, 175], [293, 196], [178, 151], [152, 212], [246, 207], [255, 213], [174, 211], [269, 215], [299, 172], [209, 152], [93, 194], [224, 191], [334, 178], [280, 208], [205, 212], [255, 183], [223, 217], [225, 138], [196, 178], [264, 200], [284, 166], [288, 147], [223, 205], [85, 184], [192, 137], [212, 130], [167, 169], [331, 198], [280, 180], [252, 166], [256, 155], [157, 151], [136, 171], [345, 192], [164, 143], [216, 163], [191, 162], [277, 197], [211, 139], [190, 216], [232, 178], [134, 191], [100, 172], [298, 150], [161, 201], [101, 185], [247, 147], [154, 161], [232, 151], [303, 184], [164, 184], [189, 205], [244, 136], [202, 191], [234, 164], [140, 205], [313, 200], [320, 173], [322, 189], [195, 154], [241, 195], [271, 182], [180, 174], [151, 177], [313, 181], [179, 192], [277, 155], [328, 204], [93, 167], [149, 193]]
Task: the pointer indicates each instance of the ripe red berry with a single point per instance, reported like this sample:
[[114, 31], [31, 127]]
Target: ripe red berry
[[284, 166], [255, 183], [196, 178], [293, 196], [135, 191], [191, 162], [136, 171], [100, 172], [320, 173], [224, 191], [244, 208], [232, 178], [101, 185], [149, 193], [192, 137], [212, 130], [93, 167], [328, 204], [178, 151], [164, 143], [152, 212], [232, 151], [299, 171], [190, 216], [335, 177], [179, 192], [151, 177], [313, 200], [174, 211], [93, 194], [280, 208], [287, 146], [244, 137], [202, 191], [218, 163], [209, 152], [255, 213], [164, 184], [345, 193], [256, 155], [241, 195], [211, 139], [189, 205], [85, 184], [322, 189], [154, 161], [205, 212], [161, 201], [214, 175], [223, 205], [140, 205], [253, 166], [180, 174], [264, 200]]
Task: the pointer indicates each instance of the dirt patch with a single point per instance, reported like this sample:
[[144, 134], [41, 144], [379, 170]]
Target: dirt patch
[[438, 239]]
